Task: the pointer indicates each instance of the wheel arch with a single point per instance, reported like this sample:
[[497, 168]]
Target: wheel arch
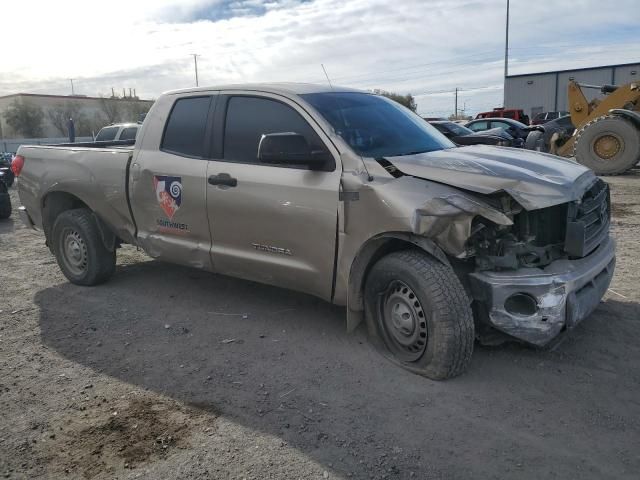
[[56, 202], [369, 253]]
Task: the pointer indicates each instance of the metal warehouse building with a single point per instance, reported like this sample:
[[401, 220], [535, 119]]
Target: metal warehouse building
[[547, 91]]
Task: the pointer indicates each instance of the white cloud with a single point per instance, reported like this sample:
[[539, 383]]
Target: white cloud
[[420, 46]]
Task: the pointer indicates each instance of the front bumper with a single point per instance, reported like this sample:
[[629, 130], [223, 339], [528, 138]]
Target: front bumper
[[565, 293]]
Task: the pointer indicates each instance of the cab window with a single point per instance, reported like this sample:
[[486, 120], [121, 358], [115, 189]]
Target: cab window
[[248, 118], [186, 127]]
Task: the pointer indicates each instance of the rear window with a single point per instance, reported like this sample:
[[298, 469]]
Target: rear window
[[128, 133], [185, 131], [107, 134]]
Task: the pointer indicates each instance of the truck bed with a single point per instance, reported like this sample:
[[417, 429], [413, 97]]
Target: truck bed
[[96, 175]]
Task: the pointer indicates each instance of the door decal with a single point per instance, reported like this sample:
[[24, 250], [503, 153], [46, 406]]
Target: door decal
[[168, 193]]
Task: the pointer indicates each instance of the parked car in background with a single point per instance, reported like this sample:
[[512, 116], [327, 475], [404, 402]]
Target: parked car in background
[[5, 168], [5, 199], [118, 131], [517, 130], [544, 117], [512, 113], [462, 135]]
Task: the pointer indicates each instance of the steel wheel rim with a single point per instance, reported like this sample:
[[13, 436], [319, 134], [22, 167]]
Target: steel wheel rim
[[403, 321], [608, 145], [74, 252]]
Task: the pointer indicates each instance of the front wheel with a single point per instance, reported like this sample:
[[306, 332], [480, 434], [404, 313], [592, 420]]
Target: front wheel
[[422, 313], [79, 250]]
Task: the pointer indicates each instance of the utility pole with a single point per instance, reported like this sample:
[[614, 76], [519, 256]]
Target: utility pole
[[195, 63], [455, 111], [72, 92], [506, 58]]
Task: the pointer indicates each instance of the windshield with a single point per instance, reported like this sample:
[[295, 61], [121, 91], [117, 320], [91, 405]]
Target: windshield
[[375, 126], [457, 130]]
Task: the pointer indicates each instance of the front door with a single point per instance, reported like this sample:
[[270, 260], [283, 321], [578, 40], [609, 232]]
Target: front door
[[271, 223], [168, 183]]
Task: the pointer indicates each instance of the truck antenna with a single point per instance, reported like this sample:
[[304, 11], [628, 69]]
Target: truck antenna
[[326, 75]]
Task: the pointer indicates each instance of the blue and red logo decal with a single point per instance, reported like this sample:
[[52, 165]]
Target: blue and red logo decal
[[168, 193]]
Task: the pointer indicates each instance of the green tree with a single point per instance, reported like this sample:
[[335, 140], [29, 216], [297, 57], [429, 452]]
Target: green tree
[[25, 118], [406, 100]]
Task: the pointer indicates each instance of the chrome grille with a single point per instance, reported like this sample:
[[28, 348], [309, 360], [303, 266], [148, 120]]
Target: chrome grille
[[588, 220]]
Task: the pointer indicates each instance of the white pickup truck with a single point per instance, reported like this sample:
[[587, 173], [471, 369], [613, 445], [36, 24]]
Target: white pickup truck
[[341, 194]]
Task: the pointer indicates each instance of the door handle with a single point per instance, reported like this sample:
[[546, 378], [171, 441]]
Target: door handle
[[223, 179]]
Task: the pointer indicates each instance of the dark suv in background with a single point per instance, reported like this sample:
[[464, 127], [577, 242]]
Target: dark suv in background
[[545, 117]]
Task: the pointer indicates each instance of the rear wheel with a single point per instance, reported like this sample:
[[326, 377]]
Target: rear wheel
[[421, 313], [79, 250], [609, 145]]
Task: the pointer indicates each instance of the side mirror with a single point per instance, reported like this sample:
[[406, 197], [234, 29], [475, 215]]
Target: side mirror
[[289, 148]]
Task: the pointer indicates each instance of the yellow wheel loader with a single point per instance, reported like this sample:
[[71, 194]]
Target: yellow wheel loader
[[606, 133]]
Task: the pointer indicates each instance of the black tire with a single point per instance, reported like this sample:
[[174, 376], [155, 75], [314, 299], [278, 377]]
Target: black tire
[[413, 282], [79, 250], [5, 202], [609, 145], [5, 206], [535, 141]]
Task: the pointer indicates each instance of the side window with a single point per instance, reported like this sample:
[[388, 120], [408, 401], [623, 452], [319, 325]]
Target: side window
[[128, 133], [107, 134], [498, 124], [248, 118], [184, 133], [479, 126]]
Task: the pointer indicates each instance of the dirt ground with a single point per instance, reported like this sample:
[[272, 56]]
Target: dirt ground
[[167, 372]]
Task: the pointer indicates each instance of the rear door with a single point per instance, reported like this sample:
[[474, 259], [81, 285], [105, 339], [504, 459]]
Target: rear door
[[274, 224], [168, 181]]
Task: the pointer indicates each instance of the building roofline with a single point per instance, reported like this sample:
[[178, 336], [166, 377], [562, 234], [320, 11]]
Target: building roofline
[[601, 67], [67, 97]]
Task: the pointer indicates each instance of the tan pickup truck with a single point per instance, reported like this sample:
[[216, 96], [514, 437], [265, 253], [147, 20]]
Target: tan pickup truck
[[345, 195]]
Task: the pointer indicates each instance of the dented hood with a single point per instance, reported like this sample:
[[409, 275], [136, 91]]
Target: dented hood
[[535, 180]]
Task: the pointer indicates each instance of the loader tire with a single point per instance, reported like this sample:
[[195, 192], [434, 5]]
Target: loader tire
[[609, 145], [79, 250], [421, 313]]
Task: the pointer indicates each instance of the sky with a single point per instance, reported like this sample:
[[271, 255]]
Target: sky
[[423, 47]]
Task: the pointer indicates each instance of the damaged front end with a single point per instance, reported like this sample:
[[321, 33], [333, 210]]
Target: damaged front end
[[532, 269], [548, 271]]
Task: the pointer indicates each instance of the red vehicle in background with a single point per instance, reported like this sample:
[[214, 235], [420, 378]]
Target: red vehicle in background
[[513, 113]]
